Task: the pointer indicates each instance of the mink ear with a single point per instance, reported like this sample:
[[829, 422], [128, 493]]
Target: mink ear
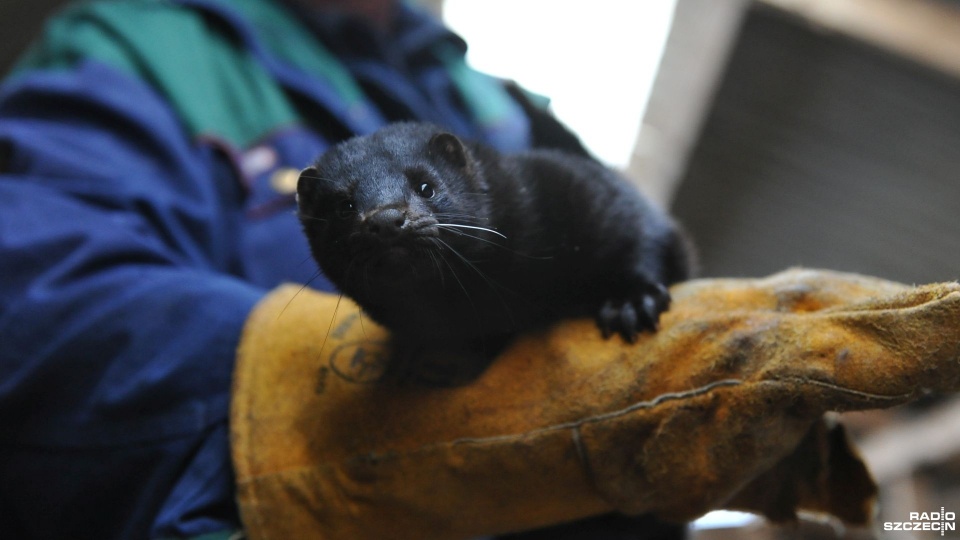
[[307, 182], [450, 148]]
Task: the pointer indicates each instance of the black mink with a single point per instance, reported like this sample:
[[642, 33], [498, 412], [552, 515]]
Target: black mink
[[456, 247]]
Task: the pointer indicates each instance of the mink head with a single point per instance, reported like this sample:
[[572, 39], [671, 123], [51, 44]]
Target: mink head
[[387, 209]]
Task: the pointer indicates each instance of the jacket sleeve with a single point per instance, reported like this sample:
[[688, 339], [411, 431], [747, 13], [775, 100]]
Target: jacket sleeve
[[120, 311]]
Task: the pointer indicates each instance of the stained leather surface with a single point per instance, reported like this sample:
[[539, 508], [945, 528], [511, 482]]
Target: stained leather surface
[[723, 407]]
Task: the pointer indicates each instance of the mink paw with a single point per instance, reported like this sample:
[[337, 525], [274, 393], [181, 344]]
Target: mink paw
[[634, 313]]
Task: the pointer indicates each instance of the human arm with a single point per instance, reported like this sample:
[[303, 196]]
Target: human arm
[[119, 314]]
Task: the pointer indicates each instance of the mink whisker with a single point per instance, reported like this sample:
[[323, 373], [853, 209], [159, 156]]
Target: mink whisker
[[309, 258], [461, 218], [362, 329], [456, 277], [501, 246], [433, 257], [310, 176], [490, 283], [472, 227], [458, 215], [333, 319], [300, 290], [312, 218]]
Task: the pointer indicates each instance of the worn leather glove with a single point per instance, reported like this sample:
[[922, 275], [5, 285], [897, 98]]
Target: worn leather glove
[[723, 407]]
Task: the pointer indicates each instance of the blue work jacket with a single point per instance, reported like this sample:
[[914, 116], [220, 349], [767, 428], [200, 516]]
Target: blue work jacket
[[146, 205]]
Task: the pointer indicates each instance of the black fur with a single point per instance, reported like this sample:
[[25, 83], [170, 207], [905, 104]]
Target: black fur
[[396, 220]]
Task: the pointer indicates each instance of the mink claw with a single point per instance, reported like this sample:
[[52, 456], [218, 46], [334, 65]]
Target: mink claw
[[606, 319], [629, 322], [639, 312]]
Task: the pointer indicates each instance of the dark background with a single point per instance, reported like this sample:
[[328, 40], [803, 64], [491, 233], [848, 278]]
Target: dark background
[[824, 151]]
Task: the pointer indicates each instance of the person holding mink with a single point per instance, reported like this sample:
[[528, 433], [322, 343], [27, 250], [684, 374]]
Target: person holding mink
[[165, 372], [146, 152]]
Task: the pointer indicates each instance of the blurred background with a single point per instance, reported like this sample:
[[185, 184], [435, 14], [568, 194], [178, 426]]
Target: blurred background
[[821, 133]]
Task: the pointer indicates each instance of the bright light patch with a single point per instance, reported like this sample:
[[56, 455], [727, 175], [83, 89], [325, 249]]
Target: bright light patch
[[725, 519], [595, 60]]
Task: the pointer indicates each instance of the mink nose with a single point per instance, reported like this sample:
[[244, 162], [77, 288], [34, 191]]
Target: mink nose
[[385, 223]]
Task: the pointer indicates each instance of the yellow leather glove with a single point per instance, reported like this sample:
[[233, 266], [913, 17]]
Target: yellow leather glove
[[722, 407]]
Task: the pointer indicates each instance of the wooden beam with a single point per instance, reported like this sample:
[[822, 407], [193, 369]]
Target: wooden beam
[[926, 31], [701, 37]]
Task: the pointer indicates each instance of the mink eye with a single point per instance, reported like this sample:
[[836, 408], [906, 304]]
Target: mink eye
[[346, 209], [425, 190]]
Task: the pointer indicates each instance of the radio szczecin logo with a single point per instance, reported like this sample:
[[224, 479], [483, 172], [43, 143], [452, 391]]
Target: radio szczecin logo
[[925, 521]]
